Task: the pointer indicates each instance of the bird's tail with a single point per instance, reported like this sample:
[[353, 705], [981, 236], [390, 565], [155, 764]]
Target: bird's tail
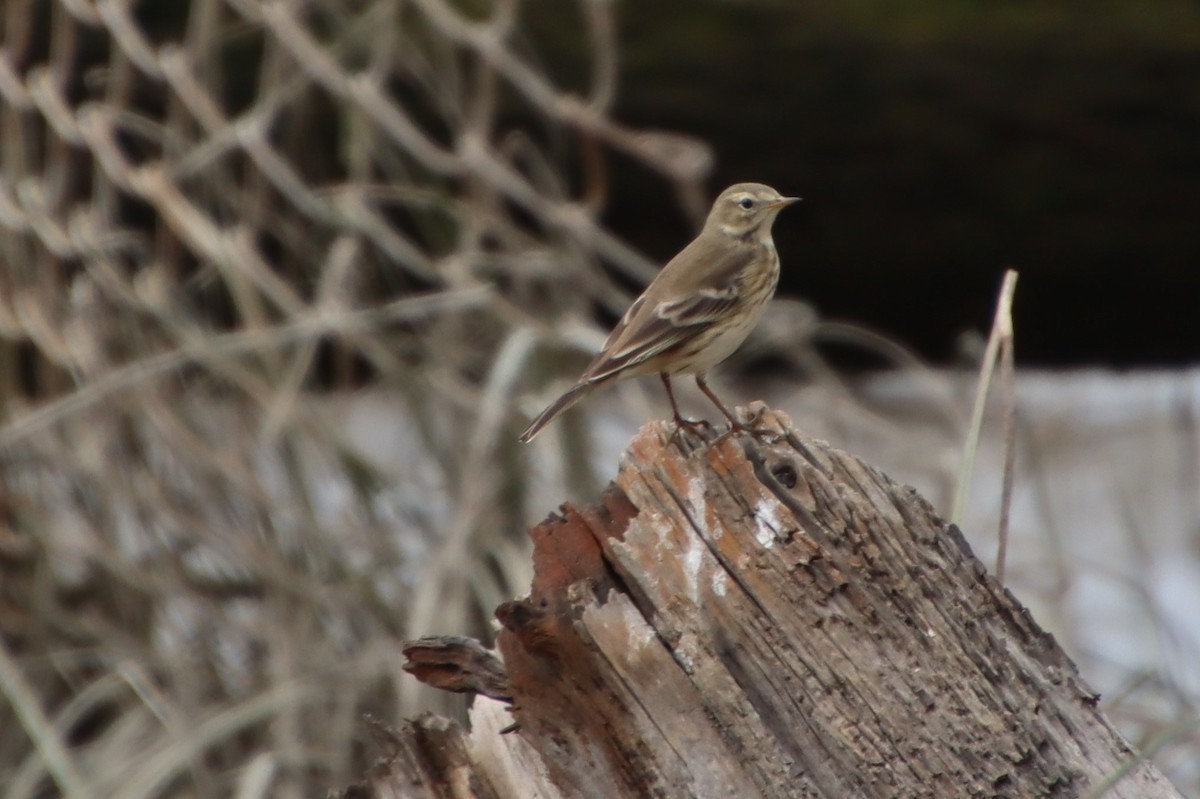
[[572, 396]]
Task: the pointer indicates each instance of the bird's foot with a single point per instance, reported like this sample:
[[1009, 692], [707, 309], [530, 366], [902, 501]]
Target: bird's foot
[[764, 434], [696, 427]]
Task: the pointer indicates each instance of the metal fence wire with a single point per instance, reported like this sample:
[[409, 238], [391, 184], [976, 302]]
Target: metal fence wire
[[212, 212]]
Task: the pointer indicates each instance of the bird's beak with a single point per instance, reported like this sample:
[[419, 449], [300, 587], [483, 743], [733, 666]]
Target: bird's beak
[[783, 202]]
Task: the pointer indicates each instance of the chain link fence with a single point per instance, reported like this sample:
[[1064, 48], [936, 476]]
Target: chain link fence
[[215, 218]]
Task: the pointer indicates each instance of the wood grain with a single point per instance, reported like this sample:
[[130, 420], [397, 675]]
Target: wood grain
[[739, 617]]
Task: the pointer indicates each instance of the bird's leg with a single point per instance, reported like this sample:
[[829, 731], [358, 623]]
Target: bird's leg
[[734, 424], [680, 422]]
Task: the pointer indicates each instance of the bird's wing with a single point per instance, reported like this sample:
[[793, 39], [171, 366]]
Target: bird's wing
[[650, 328]]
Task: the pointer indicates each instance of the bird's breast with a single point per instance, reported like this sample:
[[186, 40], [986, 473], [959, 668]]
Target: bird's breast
[[758, 281], [755, 287]]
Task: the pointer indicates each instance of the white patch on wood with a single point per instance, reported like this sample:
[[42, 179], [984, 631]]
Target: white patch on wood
[[623, 618], [693, 559], [640, 633], [719, 579], [767, 523], [684, 659]]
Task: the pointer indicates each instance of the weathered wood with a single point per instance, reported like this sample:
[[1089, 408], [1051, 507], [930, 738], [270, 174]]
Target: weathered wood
[[429, 758], [740, 618], [457, 664]]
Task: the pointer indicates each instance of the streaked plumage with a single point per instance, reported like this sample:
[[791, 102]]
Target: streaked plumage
[[698, 309]]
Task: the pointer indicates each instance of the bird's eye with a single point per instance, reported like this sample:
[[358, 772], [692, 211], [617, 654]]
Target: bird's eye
[[746, 203]]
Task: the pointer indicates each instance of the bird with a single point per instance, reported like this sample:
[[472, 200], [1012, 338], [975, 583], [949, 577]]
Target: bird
[[699, 308]]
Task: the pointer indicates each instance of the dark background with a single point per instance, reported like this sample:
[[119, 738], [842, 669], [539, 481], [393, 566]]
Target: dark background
[[936, 144]]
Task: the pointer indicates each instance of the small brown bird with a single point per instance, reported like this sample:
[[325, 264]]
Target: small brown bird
[[698, 309]]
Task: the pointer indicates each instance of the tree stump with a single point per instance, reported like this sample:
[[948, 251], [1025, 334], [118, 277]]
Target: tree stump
[[746, 618]]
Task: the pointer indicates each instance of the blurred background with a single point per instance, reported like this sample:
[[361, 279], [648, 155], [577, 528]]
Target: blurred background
[[280, 283]]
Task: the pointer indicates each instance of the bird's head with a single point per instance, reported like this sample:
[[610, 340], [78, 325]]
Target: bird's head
[[747, 209]]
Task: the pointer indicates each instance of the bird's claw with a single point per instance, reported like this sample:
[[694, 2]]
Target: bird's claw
[[695, 426], [764, 434]]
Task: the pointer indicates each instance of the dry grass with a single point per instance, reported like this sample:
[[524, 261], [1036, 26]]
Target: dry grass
[[217, 221]]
